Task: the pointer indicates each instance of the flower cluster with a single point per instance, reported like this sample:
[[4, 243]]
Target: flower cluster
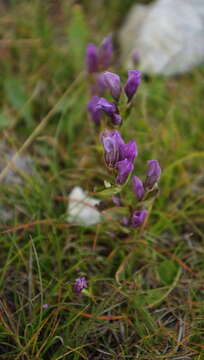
[[99, 105], [119, 156]]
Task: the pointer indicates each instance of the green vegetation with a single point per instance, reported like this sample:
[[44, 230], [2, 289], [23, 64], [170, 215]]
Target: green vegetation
[[146, 291]]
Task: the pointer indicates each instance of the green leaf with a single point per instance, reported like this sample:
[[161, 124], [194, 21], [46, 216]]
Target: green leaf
[[110, 191], [167, 271], [153, 297]]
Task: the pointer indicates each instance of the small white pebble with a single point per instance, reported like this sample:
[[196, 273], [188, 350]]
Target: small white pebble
[[81, 208]]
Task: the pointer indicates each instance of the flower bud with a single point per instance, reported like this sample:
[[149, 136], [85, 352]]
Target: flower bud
[[153, 173], [134, 80], [138, 188], [124, 168], [109, 108], [106, 52], [95, 112], [80, 284], [112, 144], [138, 217], [116, 200], [116, 119], [99, 86], [130, 150], [112, 82], [91, 58]]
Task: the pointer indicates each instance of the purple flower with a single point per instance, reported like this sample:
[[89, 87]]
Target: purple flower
[[109, 108], [116, 119], [45, 306], [153, 173], [80, 284], [112, 82], [100, 86], [138, 187], [91, 58], [134, 80], [126, 220], [112, 144], [124, 168], [138, 217], [106, 52], [118, 154], [130, 150], [116, 200], [94, 111]]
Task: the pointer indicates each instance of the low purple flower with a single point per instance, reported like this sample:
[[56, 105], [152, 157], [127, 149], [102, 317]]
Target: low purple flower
[[138, 217], [116, 200], [131, 86], [153, 173], [126, 220], [95, 112], [116, 119], [112, 82], [80, 284], [125, 167], [108, 107], [112, 144], [138, 188], [45, 306], [92, 58], [106, 52]]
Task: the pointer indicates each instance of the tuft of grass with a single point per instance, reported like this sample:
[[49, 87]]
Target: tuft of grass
[[146, 291]]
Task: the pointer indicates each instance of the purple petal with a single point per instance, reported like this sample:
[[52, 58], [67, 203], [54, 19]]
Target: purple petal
[[112, 143], [100, 86], [112, 82], [138, 217], [131, 86], [80, 284], [94, 111], [126, 221], [109, 108], [138, 187], [116, 200], [106, 52], [130, 150], [116, 119], [124, 168], [153, 173], [91, 58]]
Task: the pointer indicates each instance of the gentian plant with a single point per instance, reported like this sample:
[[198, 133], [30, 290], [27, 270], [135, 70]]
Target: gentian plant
[[109, 113]]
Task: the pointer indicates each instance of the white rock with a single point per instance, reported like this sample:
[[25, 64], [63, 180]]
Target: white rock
[[81, 208], [23, 163], [168, 35]]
